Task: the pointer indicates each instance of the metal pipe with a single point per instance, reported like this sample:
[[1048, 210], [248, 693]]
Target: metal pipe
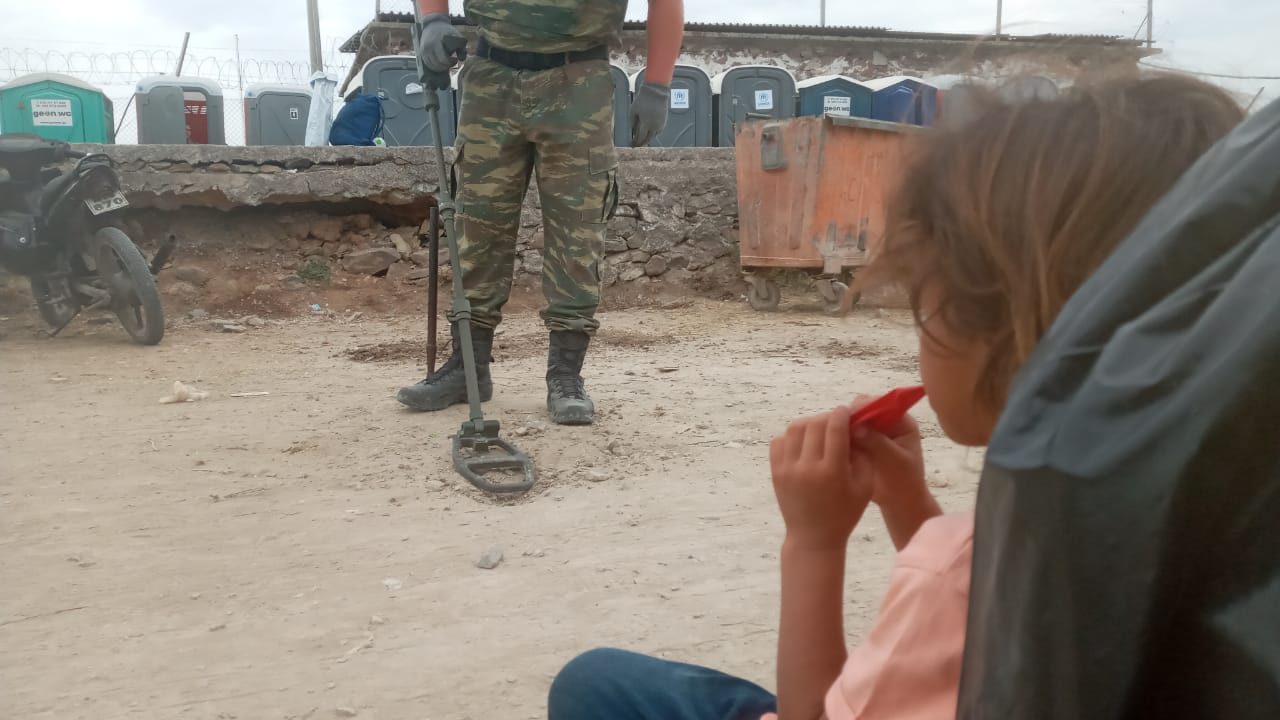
[[822, 13], [1150, 17], [999, 18], [313, 32], [182, 54]]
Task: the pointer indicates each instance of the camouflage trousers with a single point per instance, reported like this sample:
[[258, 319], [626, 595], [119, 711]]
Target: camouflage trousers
[[559, 124]]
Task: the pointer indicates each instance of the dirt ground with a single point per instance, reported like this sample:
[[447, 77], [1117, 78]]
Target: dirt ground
[[311, 554]]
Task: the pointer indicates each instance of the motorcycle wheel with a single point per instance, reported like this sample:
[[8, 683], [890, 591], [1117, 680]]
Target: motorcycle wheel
[[134, 295], [55, 314]]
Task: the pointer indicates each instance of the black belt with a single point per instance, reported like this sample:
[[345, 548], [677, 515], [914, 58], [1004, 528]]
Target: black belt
[[538, 61]]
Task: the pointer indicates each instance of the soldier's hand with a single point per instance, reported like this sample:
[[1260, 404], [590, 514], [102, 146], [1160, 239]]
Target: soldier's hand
[[649, 113], [440, 45]]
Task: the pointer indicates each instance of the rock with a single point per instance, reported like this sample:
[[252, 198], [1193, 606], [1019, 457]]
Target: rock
[[326, 230], [677, 259], [538, 240], [346, 712], [656, 266], [195, 275], [181, 167], [371, 261], [417, 274], [260, 241], [399, 271], [615, 245], [293, 282], [421, 258], [198, 314], [255, 322], [435, 484], [392, 584], [269, 168], [532, 262], [183, 290], [361, 221], [631, 272], [401, 245], [377, 620], [491, 558], [233, 328], [218, 167], [596, 475], [608, 274], [298, 164]]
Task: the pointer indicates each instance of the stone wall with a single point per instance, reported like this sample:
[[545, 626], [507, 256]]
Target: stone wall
[[356, 211]]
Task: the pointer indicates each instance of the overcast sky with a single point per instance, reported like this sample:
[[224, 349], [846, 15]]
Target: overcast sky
[[1228, 36]]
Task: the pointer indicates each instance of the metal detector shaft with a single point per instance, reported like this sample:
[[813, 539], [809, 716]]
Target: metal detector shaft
[[433, 285]]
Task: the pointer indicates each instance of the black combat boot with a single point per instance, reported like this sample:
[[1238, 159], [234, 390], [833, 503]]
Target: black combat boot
[[567, 399], [448, 385]]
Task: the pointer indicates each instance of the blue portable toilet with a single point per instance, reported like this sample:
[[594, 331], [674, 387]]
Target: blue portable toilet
[[621, 106], [750, 92], [689, 118], [834, 95], [904, 99], [394, 78]]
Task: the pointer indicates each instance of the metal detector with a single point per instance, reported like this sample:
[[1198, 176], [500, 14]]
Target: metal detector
[[477, 447]]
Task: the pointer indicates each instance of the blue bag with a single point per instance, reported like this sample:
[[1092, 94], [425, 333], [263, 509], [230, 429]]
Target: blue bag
[[359, 121]]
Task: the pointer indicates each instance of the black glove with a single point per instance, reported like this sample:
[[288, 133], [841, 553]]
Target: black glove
[[649, 113], [440, 46]]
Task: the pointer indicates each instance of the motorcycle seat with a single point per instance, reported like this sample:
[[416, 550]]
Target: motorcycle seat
[[23, 155]]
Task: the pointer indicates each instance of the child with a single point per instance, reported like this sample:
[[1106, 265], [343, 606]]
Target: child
[[997, 222]]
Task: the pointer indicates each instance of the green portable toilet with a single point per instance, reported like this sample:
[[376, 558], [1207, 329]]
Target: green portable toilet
[[56, 107]]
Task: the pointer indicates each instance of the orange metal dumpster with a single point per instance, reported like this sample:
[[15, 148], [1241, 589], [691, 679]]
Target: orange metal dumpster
[[811, 196]]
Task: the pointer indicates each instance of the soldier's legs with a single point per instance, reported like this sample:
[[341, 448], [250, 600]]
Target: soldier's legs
[[492, 166], [577, 168]]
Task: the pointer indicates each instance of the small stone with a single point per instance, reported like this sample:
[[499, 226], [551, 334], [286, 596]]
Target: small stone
[[219, 167], [631, 272], [198, 314], [656, 266], [421, 258], [326, 230], [181, 167], [596, 475], [298, 164], [418, 274], [195, 275], [615, 448], [233, 328], [255, 321], [491, 558], [269, 169], [345, 712], [195, 596], [538, 240], [399, 271], [216, 628], [377, 620], [371, 261], [392, 584], [401, 245]]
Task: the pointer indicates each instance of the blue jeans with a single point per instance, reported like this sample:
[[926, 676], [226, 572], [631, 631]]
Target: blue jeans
[[608, 684]]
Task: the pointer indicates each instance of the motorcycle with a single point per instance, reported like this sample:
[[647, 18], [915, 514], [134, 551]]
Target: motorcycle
[[61, 230]]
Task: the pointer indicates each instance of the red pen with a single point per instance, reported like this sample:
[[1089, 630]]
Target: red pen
[[885, 411]]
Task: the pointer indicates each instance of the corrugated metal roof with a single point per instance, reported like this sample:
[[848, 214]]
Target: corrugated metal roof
[[844, 31]]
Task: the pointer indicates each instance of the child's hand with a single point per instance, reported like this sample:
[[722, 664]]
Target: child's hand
[[822, 488], [897, 462], [896, 467]]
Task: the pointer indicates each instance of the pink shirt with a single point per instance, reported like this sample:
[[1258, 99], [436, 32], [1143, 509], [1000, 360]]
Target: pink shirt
[[908, 668]]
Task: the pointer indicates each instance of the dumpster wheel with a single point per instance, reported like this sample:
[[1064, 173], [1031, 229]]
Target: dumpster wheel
[[763, 294], [832, 293]]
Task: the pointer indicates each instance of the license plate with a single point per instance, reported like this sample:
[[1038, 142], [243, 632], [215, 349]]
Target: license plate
[[115, 202]]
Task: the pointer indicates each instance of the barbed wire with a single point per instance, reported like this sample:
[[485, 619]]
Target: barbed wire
[[126, 68]]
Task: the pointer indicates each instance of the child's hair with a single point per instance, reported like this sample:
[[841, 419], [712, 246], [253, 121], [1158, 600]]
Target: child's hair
[[1008, 211]]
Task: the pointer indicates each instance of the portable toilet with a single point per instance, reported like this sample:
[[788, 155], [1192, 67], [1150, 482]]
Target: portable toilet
[[180, 111], [1029, 87], [689, 117], [56, 107], [904, 99], [621, 106], [276, 114], [394, 78], [833, 95], [750, 92]]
